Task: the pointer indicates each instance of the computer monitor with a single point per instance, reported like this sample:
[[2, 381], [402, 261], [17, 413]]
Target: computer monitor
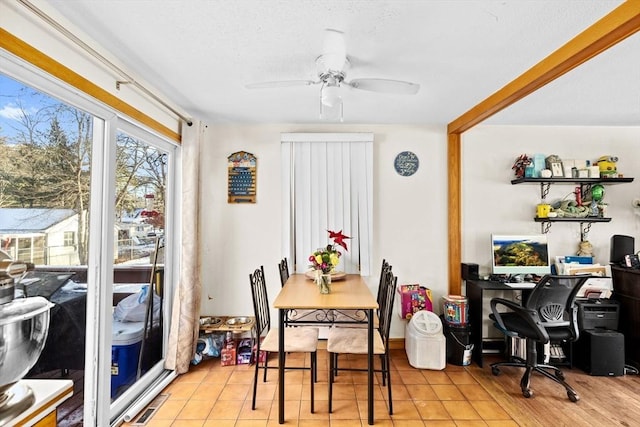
[[520, 254]]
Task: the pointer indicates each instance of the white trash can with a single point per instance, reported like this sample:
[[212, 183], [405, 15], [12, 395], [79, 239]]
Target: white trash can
[[425, 342]]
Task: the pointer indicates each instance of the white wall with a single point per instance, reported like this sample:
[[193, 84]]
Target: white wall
[[490, 204], [410, 213]]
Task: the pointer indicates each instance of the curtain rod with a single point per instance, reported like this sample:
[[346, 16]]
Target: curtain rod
[[105, 61]]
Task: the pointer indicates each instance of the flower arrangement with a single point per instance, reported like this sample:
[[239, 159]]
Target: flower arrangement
[[327, 258]]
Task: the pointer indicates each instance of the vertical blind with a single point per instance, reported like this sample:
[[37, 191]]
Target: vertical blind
[[327, 185]]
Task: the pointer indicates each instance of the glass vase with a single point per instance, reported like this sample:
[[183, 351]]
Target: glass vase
[[323, 280]]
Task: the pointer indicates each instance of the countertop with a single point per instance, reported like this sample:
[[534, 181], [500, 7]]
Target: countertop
[[49, 394]]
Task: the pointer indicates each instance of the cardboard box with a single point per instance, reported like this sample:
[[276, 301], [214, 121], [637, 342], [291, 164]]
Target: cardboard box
[[244, 351], [263, 354], [228, 355], [413, 298]]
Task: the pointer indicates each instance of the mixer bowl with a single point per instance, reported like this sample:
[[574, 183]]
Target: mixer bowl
[[24, 324]]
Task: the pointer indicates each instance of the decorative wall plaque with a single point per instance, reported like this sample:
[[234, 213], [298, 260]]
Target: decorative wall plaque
[[242, 169], [406, 163]]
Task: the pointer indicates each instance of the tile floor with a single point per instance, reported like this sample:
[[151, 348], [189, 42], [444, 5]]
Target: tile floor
[[211, 395]]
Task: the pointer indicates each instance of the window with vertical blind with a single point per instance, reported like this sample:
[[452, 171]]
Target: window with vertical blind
[[327, 185]]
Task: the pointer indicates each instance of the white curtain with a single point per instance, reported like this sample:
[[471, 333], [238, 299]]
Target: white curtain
[[327, 185], [184, 329]]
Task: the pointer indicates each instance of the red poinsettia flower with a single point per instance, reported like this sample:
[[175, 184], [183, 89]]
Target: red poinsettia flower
[[338, 238]]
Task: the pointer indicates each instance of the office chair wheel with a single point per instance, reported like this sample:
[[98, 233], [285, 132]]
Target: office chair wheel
[[559, 375], [527, 393], [495, 370], [573, 396]]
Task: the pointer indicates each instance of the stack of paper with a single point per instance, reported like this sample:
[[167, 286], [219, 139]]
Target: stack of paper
[[600, 286]]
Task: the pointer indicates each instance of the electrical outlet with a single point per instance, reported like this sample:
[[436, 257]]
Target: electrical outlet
[[635, 203]]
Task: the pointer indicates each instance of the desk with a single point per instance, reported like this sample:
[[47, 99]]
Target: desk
[[475, 290], [299, 292]]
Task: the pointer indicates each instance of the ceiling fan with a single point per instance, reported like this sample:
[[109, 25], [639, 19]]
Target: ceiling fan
[[332, 66]]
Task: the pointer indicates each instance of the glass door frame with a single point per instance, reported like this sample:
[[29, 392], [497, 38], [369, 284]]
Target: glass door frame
[[158, 371], [98, 409]]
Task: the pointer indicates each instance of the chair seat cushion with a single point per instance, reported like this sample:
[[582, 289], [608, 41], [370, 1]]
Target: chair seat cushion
[[296, 340], [353, 341]]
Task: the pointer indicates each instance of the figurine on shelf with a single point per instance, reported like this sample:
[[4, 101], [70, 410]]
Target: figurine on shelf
[[521, 164], [585, 248], [608, 168]]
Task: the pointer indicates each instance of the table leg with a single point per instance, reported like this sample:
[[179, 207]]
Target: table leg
[[370, 367], [281, 367]]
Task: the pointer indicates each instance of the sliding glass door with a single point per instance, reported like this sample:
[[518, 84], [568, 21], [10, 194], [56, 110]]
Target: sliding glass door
[[86, 197]]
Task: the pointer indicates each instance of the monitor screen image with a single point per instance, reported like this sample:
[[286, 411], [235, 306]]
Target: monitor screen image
[[525, 254]]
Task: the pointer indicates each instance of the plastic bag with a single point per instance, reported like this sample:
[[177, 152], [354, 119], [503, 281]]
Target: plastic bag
[[132, 308], [208, 345]]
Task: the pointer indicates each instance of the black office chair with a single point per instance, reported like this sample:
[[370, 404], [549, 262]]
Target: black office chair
[[354, 341], [297, 340], [548, 315]]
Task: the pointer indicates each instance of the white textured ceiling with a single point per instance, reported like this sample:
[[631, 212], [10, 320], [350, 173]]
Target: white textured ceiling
[[201, 53]]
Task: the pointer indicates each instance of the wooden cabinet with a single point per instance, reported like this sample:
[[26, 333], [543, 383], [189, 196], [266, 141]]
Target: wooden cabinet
[[626, 290]]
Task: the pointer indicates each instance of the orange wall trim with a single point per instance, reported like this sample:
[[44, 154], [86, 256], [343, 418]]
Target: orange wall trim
[[23, 50]]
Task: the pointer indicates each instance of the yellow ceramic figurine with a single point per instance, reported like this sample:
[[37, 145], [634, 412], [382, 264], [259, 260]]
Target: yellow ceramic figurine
[[607, 165]]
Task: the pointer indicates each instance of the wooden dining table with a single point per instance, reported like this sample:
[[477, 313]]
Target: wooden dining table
[[348, 294]]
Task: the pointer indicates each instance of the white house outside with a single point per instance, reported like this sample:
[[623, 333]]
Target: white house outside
[[40, 236]]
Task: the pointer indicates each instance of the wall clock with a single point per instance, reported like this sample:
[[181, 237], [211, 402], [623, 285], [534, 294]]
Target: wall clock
[[406, 163]]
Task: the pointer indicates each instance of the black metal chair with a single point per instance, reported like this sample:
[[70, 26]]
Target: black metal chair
[[357, 318], [294, 317], [297, 340], [355, 341], [549, 314], [283, 268]]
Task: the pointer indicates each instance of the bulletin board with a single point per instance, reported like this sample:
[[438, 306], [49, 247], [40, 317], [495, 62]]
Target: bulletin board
[[242, 170]]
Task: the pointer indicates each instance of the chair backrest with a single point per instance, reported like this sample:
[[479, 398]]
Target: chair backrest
[[385, 266], [553, 298], [260, 300], [283, 268], [386, 306]]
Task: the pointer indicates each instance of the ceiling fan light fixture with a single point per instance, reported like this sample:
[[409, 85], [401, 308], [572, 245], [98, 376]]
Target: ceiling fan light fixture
[[331, 109], [332, 114], [330, 95], [332, 65]]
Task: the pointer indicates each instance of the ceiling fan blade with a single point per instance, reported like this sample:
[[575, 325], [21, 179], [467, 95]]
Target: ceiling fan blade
[[282, 83], [385, 86], [334, 51]]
